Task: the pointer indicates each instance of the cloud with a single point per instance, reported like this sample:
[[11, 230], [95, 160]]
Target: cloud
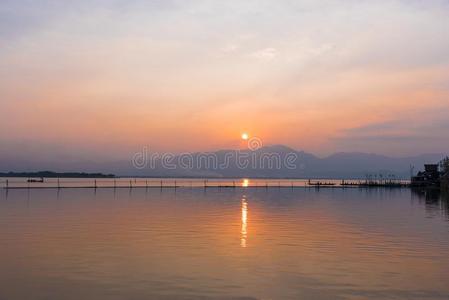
[[265, 54], [375, 127], [423, 133]]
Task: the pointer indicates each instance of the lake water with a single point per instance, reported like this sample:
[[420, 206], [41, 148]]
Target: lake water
[[194, 243]]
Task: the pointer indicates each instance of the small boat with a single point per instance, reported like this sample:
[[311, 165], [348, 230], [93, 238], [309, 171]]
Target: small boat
[[319, 183], [36, 180]]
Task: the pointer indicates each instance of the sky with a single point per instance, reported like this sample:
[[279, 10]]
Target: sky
[[102, 79]]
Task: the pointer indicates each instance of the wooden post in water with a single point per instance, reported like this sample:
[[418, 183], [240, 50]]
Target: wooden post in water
[[233, 184], [161, 183], [130, 184], [115, 183], [7, 183], [59, 186], [175, 184], [95, 184], [146, 183]]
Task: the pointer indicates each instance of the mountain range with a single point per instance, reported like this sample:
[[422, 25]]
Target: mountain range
[[276, 161]]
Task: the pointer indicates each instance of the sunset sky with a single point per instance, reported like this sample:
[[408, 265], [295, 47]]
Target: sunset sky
[[81, 78]]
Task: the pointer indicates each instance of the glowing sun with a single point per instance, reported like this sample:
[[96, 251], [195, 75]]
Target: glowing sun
[[245, 136]]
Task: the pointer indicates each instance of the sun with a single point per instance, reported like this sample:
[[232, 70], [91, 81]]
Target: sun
[[245, 136]]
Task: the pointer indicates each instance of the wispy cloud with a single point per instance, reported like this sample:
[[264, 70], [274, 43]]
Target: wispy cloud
[[265, 54]]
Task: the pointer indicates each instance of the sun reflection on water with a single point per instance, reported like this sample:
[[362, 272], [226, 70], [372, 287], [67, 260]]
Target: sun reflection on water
[[245, 183], [243, 230]]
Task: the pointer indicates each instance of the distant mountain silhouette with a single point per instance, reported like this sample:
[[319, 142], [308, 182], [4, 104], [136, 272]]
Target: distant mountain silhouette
[[306, 165]]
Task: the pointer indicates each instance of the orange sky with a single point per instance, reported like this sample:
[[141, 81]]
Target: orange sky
[[368, 77]]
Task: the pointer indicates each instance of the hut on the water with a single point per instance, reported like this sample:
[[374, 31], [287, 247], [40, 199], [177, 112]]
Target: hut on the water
[[430, 177]]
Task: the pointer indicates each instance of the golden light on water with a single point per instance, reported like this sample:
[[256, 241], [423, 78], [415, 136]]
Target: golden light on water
[[245, 183], [243, 230]]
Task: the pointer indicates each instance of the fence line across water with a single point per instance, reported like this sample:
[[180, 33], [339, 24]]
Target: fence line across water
[[96, 183]]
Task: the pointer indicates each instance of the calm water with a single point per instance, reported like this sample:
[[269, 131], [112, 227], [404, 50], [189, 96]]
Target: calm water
[[223, 244]]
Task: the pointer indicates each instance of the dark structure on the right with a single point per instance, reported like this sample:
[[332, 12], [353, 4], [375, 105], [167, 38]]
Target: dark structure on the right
[[444, 166], [433, 176]]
